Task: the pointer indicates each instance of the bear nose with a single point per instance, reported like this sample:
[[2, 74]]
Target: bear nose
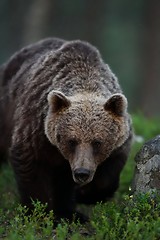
[[81, 175]]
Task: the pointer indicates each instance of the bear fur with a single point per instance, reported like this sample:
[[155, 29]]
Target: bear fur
[[65, 122]]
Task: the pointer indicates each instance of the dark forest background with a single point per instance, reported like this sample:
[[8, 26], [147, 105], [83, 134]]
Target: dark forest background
[[127, 34]]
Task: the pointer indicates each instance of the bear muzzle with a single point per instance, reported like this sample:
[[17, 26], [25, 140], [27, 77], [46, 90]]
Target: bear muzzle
[[82, 176]]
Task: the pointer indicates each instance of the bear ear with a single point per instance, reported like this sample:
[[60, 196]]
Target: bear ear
[[57, 101], [116, 104]]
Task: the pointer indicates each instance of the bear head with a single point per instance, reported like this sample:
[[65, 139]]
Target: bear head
[[86, 129]]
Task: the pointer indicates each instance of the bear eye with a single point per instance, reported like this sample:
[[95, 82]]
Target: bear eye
[[72, 143], [58, 138], [96, 144]]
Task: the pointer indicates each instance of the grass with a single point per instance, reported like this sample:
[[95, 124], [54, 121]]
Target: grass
[[125, 217]]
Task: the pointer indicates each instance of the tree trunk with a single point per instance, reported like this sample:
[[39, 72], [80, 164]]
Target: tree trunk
[[150, 88], [36, 21], [95, 16]]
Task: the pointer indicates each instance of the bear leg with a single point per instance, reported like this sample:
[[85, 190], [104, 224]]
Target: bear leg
[[64, 195]]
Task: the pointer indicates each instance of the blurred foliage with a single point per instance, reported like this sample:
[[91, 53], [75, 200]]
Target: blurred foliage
[[126, 32], [146, 127]]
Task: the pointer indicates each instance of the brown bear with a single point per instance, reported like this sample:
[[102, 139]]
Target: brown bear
[[66, 124]]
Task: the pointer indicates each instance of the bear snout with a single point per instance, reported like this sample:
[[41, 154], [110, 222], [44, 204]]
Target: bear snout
[[82, 175]]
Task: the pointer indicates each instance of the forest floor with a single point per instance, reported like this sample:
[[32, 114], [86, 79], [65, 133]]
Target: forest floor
[[124, 217]]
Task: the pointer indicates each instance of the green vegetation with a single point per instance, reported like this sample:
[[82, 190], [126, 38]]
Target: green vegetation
[[125, 217]]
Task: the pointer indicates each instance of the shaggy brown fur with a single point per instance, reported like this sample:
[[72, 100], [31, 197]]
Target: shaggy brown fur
[[66, 122]]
